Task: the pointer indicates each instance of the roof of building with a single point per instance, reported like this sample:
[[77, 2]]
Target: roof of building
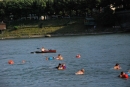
[[2, 26]]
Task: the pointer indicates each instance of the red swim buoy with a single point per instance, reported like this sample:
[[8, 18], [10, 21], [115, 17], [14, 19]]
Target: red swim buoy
[[78, 56], [126, 76], [10, 62]]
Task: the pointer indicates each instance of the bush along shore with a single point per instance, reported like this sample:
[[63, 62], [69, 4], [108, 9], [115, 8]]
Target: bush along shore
[[52, 28]]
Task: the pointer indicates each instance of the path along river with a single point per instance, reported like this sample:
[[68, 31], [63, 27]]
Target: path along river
[[99, 53]]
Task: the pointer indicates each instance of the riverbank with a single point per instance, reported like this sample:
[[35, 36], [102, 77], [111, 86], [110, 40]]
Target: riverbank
[[53, 28], [60, 35]]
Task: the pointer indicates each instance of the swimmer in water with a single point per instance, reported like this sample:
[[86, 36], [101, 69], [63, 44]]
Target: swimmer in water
[[50, 58], [78, 56], [61, 66], [117, 66], [64, 66], [128, 72], [23, 61], [59, 57], [80, 72], [123, 75]]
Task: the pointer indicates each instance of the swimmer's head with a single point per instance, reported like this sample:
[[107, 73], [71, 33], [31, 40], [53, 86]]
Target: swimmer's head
[[82, 70], [117, 64]]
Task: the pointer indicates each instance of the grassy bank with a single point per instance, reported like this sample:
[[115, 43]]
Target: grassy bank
[[53, 27], [41, 28]]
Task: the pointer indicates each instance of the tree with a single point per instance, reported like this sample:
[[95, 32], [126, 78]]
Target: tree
[[2, 10], [107, 18]]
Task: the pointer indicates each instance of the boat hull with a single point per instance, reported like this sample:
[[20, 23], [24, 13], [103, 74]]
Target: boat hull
[[47, 51]]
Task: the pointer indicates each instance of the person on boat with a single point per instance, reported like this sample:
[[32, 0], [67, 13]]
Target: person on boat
[[59, 57], [50, 58], [42, 49], [80, 72], [123, 75], [117, 66]]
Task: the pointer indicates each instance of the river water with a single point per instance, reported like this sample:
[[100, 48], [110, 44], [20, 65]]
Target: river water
[[99, 53]]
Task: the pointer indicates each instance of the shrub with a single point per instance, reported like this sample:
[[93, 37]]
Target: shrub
[[15, 27]]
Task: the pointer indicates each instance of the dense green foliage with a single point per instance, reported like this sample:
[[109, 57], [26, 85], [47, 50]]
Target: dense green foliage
[[22, 8]]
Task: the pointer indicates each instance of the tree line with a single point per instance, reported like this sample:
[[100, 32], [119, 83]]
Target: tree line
[[22, 8]]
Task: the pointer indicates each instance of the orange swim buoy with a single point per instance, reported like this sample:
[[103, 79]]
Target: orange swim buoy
[[78, 56], [10, 62]]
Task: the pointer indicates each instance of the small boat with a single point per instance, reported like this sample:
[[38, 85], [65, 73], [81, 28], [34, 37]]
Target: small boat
[[48, 35], [47, 51]]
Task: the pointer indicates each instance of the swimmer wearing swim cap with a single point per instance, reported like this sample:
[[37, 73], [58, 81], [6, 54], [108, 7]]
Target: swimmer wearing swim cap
[[49, 58]]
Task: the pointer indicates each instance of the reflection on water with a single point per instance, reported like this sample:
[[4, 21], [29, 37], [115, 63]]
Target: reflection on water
[[99, 53]]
